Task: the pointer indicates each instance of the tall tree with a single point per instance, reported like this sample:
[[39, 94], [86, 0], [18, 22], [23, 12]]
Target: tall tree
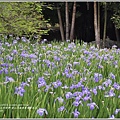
[[105, 23], [73, 22], [117, 34], [60, 23], [96, 26], [67, 20], [98, 20]]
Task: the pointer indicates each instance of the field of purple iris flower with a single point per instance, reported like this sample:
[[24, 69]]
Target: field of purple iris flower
[[58, 80]]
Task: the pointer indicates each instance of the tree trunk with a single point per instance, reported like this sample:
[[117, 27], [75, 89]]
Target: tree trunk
[[96, 26], [67, 20], [117, 34], [87, 5], [98, 20], [105, 23], [73, 22], [60, 23]]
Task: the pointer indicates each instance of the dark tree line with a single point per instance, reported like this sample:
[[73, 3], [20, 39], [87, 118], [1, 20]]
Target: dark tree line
[[88, 21]]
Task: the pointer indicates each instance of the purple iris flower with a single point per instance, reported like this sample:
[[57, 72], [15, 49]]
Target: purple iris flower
[[100, 66], [61, 109], [105, 58], [87, 98], [41, 111], [86, 91], [8, 79], [76, 63], [24, 55], [41, 82], [75, 86], [14, 41], [76, 103], [57, 84], [78, 98], [86, 52], [115, 62], [72, 87], [60, 99], [110, 94], [56, 58], [79, 84], [68, 95], [47, 87], [97, 77], [111, 57], [15, 52], [94, 91], [112, 116], [76, 113], [75, 94], [1, 71], [5, 70], [69, 75], [32, 56], [92, 105], [107, 82], [116, 86], [117, 111], [33, 70], [5, 65], [112, 76], [23, 62], [24, 39], [48, 63], [10, 58], [23, 84], [19, 91]]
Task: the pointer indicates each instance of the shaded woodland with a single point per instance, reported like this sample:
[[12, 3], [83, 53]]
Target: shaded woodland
[[86, 21]]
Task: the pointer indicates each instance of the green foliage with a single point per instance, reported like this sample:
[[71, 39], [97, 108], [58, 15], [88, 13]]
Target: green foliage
[[116, 20], [115, 9], [22, 18]]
